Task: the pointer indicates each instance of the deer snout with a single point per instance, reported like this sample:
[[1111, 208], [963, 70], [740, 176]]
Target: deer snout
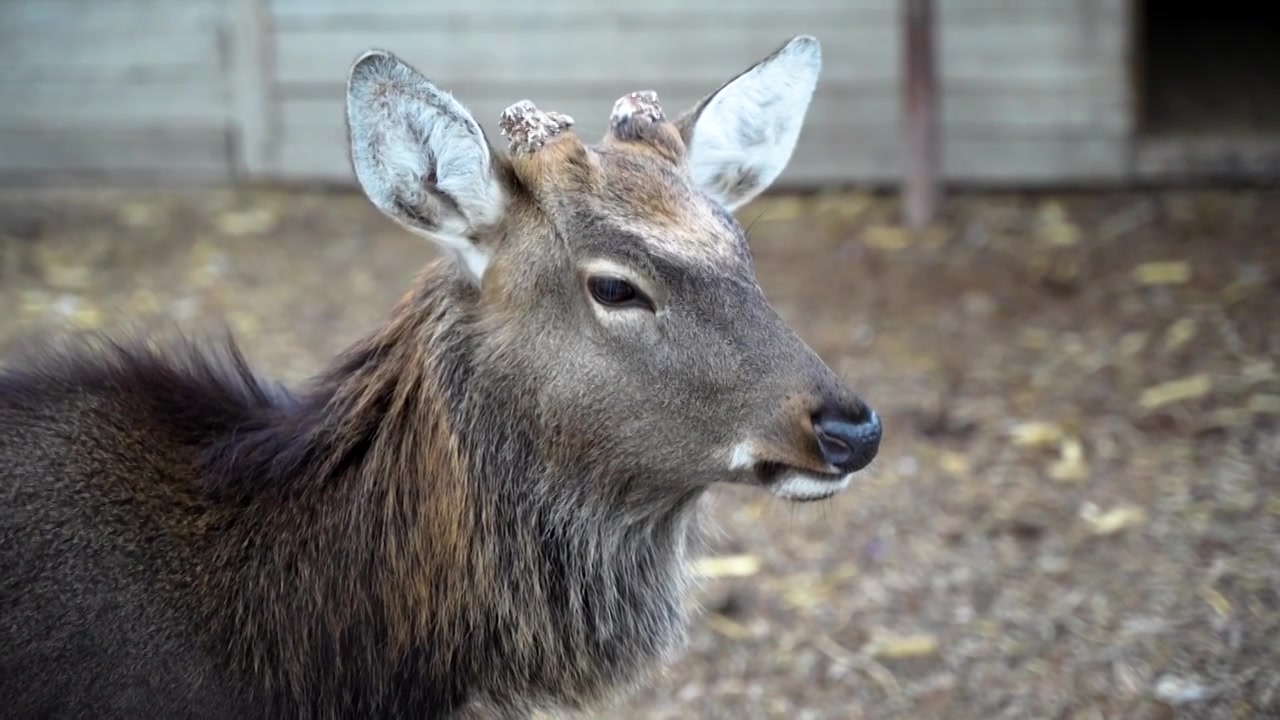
[[812, 447], [847, 441]]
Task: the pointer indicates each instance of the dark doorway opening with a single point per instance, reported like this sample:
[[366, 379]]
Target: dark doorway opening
[[1209, 87]]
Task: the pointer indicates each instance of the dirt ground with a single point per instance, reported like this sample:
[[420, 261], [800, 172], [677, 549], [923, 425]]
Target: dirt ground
[[1076, 510]]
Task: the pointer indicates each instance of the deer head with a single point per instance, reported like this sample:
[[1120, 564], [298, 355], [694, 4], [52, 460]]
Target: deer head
[[610, 281]]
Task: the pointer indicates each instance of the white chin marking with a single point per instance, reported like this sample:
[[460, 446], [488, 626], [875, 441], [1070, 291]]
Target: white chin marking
[[797, 486], [741, 457]]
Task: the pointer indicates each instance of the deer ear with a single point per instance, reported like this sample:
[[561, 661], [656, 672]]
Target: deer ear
[[421, 158], [740, 137]]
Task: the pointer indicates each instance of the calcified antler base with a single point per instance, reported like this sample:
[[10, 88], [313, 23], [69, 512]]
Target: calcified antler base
[[529, 128], [642, 105]]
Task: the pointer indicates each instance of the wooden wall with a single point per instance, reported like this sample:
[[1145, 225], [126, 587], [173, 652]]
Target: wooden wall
[[1035, 90], [102, 87]]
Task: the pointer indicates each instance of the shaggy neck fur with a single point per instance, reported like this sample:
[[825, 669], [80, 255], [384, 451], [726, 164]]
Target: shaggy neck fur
[[424, 554]]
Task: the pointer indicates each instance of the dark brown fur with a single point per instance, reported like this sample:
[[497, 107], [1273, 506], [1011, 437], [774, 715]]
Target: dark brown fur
[[369, 548]]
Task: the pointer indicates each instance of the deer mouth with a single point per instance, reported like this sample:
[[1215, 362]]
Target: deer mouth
[[801, 484]]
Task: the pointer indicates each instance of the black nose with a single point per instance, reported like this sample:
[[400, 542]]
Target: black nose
[[848, 443]]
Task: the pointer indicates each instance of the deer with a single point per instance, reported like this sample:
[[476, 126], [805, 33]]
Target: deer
[[486, 506]]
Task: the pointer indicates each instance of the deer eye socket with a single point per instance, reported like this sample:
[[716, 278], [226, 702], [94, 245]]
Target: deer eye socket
[[615, 292]]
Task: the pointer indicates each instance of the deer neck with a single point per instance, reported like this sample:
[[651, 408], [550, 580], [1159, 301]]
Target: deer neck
[[432, 534], [574, 578]]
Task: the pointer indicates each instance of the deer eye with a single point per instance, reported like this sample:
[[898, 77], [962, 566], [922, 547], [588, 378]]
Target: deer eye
[[617, 293]]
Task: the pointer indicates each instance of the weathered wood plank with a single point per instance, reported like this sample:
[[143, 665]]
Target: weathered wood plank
[[1014, 102], [972, 111], [1078, 160], [825, 153], [163, 149], [146, 51], [1024, 161], [55, 17], [250, 71], [1044, 54], [995, 133], [376, 13], [998, 161], [510, 55], [92, 103], [1034, 90], [42, 40], [1034, 55]]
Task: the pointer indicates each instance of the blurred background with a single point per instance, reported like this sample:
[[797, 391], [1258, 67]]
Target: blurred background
[[1042, 237]]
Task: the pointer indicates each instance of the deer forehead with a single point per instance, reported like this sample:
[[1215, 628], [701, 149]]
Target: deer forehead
[[691, 235], [649, 198], [637, 179]]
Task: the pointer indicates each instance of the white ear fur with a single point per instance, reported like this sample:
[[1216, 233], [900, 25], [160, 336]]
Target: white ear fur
[[741, 137], [420, 157]]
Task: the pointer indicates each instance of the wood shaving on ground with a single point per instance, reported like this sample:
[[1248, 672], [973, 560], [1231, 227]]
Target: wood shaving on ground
[[726, 566], [1109, 522], [1174, 391], [1163, 273]]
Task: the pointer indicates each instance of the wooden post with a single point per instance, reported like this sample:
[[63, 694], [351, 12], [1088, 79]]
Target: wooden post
[[921, 144], [250, 74]]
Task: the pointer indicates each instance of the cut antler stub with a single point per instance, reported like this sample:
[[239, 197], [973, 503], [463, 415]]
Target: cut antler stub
[[634, 113], [643, 103], [529, 128]]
